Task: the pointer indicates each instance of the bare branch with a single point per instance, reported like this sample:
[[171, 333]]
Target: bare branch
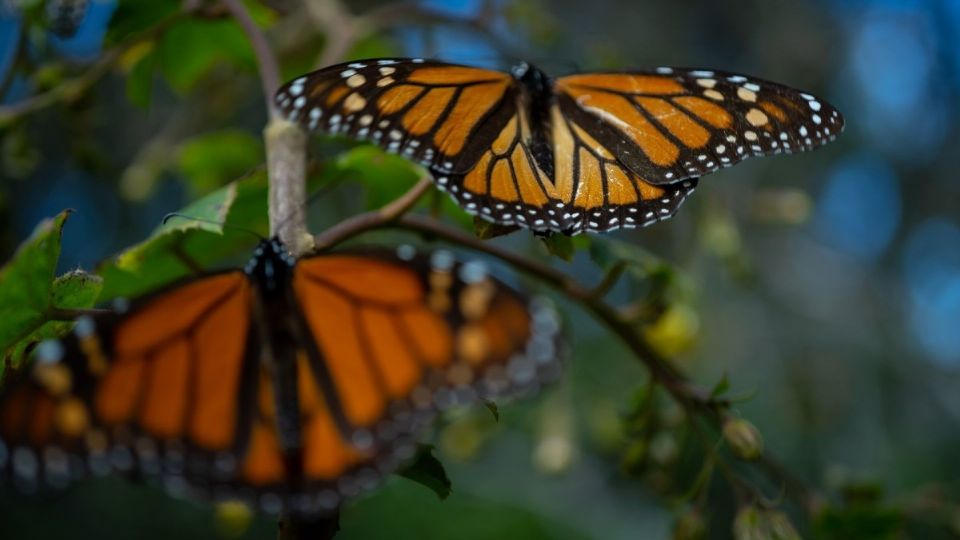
[[341, 29], [269, 71], [287, 173], [371, 220]]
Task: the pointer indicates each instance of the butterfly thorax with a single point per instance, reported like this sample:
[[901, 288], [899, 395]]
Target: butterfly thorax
[[538, 98], [271, 268]]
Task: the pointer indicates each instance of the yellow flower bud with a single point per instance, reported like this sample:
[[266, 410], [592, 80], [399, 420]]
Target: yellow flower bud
[[744, 439]]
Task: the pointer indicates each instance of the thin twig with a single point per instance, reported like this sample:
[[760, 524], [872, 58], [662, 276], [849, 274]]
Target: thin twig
[[341, 29], [267, 61], [609, 280], [15, 57], [369, 220]]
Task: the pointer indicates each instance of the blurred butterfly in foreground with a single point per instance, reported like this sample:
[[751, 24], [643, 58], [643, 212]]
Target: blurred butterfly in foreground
[[587, 152], [289, 385]]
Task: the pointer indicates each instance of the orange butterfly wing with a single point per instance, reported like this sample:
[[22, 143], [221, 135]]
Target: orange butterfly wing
[[434, 113], [671, 124], [160, 389], [621, 149], [402, 337], [589, 188], [177, 388]]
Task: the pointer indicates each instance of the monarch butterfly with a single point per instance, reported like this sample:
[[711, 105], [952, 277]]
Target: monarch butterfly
[[587, 152], [290, 385]]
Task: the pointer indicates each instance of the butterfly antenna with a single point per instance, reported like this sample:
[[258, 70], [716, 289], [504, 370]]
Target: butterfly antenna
[[172, 215]]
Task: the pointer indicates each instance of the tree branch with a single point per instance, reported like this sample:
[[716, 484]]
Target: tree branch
[[269, 71], [371, 220], [286, 145]]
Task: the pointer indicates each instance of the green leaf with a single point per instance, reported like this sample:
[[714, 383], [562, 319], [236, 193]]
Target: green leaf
[[29, 292], [134, 16], [720, 388], [192, 47], [384, 175], [560, 245], [211, 160], [27, 280], [182, 246], [428, 471], [73, 290]]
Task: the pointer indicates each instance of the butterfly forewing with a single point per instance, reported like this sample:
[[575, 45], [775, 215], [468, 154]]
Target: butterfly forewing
[[431, 112], [671, 124]]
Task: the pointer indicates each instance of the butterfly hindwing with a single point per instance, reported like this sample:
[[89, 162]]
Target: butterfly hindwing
[[590, 189]]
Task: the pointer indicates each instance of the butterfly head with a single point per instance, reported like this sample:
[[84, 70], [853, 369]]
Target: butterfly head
[[271, 264]]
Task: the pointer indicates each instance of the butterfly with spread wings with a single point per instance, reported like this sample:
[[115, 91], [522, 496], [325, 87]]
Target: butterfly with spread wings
[[587, 152], [291, 384]]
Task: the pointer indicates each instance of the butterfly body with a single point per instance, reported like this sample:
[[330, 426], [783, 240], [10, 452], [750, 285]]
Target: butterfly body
[[275, 316], [538, 99], [582, 152], [289, 384]]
